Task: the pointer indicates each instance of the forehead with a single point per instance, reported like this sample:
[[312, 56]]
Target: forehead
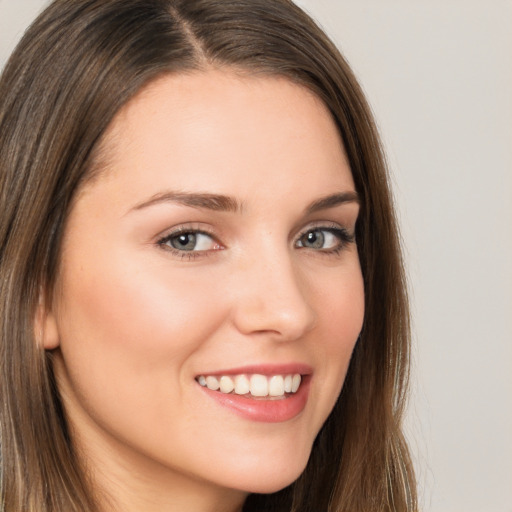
[[217, 129]]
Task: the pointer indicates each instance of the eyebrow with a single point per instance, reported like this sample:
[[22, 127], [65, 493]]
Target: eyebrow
[[215, 202], [222, 203], [332, 201]]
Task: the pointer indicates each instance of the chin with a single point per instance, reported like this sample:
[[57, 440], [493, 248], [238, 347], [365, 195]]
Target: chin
[[271, 477]]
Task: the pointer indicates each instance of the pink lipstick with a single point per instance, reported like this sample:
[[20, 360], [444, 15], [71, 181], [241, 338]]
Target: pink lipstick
[[265, 393]]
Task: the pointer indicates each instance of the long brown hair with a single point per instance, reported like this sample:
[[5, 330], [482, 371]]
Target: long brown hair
[[76, 66]]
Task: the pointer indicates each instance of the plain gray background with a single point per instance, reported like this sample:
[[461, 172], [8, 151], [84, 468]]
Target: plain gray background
[[438, 74]]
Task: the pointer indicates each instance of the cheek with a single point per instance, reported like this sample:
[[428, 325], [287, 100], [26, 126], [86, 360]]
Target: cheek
[[341, 316], [134, 307], [342, 310], [127, 334], [129, 330]]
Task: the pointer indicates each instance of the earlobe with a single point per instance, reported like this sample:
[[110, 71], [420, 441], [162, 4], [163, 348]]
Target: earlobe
[[45, 326]]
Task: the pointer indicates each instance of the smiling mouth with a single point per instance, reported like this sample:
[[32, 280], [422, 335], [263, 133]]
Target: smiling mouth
[[256, 386]]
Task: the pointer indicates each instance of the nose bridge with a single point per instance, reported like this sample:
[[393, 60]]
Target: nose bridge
[[273, 296]]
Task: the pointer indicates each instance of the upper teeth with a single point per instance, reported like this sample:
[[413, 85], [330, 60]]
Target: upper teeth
[[256, 385]]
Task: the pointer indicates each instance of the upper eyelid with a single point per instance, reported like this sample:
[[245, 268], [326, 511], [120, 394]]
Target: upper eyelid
[[177, 230], [346, 235], [162, 243], [325, 225]]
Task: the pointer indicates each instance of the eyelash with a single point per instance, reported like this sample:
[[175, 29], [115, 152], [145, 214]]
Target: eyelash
[[342, 234], [185, 255]]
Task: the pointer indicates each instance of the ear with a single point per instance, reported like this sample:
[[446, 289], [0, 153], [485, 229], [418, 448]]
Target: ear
[[45, 325]]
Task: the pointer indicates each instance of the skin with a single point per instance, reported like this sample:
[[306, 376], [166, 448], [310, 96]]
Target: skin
[[134, 323]]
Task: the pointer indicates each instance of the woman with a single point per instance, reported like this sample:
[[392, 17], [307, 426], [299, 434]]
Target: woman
[[202, 298]]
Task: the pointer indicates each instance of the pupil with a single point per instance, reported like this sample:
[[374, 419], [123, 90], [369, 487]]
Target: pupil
[[185, 241], [315, 239]]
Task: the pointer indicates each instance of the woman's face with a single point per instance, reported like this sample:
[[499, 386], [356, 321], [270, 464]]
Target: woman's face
[[216, 246]]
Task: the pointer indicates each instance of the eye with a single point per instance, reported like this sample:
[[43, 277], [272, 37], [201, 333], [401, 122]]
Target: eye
[[189, 241], [324, 239]]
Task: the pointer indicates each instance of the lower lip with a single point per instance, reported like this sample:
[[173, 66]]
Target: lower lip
[[268, 411]]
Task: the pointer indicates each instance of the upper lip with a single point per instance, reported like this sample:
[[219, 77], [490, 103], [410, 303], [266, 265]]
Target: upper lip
[[265, 369]]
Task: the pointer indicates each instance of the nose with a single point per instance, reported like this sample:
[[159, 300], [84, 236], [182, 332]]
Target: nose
[[272, 298]]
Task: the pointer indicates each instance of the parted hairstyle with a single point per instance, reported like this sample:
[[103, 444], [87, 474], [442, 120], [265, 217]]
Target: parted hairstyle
[[75, 67]]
